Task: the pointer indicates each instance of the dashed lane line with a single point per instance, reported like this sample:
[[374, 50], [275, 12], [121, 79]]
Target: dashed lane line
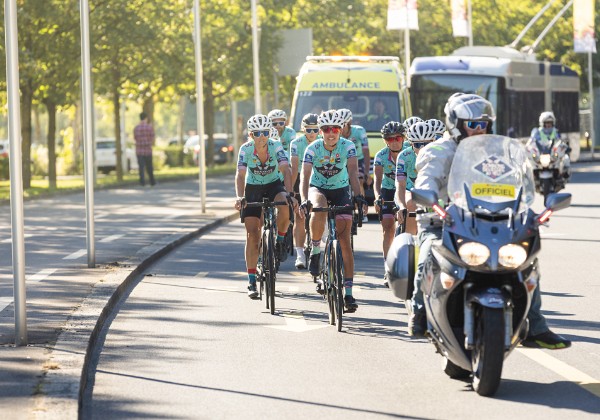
[[76, 254]]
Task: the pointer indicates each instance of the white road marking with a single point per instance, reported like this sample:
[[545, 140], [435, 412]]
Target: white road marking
[[221, 289], [202, 274], [41, 275], [295, 322], [9, 240], [561, 368], [76, 255], [112, 238], [4, 302]]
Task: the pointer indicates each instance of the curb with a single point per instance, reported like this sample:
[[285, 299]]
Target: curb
[[68, 367]]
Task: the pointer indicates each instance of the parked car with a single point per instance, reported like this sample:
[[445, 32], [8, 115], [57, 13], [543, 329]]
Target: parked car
[[4, 147], [222, 152], [106, 156]]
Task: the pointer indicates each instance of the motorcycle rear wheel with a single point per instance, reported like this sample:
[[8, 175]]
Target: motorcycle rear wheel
[[488, 355]]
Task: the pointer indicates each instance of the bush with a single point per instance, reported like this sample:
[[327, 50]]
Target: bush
[[174, 156], [4, 168]]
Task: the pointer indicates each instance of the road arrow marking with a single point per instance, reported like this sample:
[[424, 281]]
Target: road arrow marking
[[295, 322], [4, 302]]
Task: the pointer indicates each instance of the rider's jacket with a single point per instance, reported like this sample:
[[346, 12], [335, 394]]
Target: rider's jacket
[[330, 169], [545, 137], [258, 173], [298, 147], [405, 167], [433, 168], [358, 136], [384, 159], [286, 138]]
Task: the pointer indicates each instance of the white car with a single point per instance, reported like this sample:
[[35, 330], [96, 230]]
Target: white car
[[106, 156]]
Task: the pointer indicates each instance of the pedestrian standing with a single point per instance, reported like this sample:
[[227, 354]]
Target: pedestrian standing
[[143, 134]]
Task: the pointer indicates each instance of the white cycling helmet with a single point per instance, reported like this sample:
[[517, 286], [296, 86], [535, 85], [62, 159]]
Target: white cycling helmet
[[330, 118], [437, 126], [420, 132], [547, 116], [259, 122], [346, 114], [277, 113], [274, 134], [410, 121]]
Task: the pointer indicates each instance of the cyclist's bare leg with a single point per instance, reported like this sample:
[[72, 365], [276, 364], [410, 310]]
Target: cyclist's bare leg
[[253, 226], [283, 214], [299, 233], [317, 220], [343, 227], [389, 226]]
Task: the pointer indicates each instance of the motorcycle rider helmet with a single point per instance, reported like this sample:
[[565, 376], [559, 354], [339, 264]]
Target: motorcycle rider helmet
[[277, 113], [547, 116], [392, 128], [467, 107], [330, 118], [259, 122], [346, 114], [309, 119], [410, 121], [437, 126]]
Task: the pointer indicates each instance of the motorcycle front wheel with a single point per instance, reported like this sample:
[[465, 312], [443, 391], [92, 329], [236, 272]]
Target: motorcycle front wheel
[[547, 188], [488, 355]]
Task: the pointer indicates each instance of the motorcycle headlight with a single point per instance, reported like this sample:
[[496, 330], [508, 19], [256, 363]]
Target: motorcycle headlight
[[545, 160], [512, 255], [474, 253]]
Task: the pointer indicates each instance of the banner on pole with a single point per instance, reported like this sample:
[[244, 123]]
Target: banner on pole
[[583, 24], [402, 14], [460, 24]]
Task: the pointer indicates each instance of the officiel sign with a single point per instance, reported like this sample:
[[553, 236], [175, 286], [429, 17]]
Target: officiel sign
[[493, 190]]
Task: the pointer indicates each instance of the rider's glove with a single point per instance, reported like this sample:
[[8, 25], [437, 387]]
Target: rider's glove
[[379, 202], [360, 199], [305, 206]]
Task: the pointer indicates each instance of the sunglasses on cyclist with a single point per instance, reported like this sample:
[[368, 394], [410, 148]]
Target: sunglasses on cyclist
[[476, 124], [419, 144], [258, 133], [280, 123], [311, 130], [395, 138], [334, 130]]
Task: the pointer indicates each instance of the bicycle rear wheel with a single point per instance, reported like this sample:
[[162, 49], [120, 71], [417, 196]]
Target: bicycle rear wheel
[[338, 269], [261, 267], [271, 273]]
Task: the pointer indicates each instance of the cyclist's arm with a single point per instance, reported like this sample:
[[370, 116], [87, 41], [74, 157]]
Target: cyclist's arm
[[305, 180], [240, 181], [284, 167], [367, 159], [378, 172], [353, 174], [400, 196], [295, 172]]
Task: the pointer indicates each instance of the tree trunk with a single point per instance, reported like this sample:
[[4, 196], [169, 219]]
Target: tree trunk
[[117, 118], [26, 104], [51, 139], [148, 108]]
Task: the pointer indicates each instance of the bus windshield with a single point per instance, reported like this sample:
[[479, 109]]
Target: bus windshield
[[429, 92], [369, 109]]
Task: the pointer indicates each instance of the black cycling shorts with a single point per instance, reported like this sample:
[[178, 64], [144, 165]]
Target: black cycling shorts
[[335, 197], [297, 187], [361, 168], [387, 195], [256, 193]]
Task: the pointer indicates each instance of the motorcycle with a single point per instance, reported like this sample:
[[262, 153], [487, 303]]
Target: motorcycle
[[550, 163], [479, 282]]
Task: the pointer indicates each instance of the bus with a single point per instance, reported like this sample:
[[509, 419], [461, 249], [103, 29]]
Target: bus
[[518, 86]]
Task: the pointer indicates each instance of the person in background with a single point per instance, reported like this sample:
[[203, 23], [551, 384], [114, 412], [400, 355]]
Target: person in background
[[286, 134], [143, 133]]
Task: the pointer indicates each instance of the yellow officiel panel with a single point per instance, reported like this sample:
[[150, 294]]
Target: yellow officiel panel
[[493, 190]]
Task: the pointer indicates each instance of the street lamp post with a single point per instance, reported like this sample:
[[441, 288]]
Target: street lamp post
[[200, 105]]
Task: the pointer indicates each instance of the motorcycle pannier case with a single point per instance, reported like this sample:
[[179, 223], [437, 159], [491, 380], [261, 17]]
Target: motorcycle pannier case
[[400, 264]]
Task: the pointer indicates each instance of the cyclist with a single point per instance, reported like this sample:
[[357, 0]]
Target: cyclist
[[310, 128], [419, 134], [286, 134], [329, 169], [260, 161], [438, 128], [384, 169]]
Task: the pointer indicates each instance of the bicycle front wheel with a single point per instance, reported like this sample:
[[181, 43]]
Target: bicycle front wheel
[[338, 282], [271, 273], [328, 276]]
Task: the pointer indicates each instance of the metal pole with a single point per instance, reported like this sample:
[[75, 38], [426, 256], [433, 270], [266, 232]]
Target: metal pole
[[590, 83], [234, 128], [200, 104], [406, 46], [255, 62], [88, 130], [16, 172], [470, 22]]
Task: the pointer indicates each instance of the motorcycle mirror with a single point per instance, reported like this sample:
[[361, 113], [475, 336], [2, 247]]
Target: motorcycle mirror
[[425, 198], [558, 201]]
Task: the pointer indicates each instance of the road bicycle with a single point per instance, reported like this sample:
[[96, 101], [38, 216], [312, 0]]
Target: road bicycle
[[268, 261]]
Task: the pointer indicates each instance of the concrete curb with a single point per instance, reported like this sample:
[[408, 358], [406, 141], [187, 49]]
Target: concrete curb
[[68, 366]]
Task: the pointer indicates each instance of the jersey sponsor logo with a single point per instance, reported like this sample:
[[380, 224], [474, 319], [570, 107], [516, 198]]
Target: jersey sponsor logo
[[493, 190], [328, 170], [494, 168], [263, 169]]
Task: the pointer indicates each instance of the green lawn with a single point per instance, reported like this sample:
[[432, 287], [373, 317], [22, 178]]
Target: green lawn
[[39, 186]]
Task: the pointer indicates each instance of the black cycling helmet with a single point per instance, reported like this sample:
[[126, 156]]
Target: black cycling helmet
[[392, 128], [309, 119]]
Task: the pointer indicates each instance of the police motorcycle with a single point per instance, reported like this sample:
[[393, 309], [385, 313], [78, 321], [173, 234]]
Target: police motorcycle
[[478, 285], [549, 165]]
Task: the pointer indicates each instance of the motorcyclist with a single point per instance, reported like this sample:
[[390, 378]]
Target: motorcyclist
[[466, 115], [546, 137]]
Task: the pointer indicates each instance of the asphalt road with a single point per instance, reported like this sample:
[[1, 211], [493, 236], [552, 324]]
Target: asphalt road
[[188, 343]]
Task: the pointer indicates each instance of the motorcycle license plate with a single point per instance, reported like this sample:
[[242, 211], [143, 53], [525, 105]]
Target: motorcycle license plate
[[545, 174]]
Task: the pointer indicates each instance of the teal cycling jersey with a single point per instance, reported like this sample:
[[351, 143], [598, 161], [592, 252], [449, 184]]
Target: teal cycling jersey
[[405, 167], [258, 173], [286, 138], [358, 136], [298, 147], [384, 159], [330, 169]]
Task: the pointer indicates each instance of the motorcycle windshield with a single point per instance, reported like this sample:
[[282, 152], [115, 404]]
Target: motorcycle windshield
[[488, 173]]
